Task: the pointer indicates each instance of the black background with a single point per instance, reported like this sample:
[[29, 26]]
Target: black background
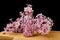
[[11, 9]]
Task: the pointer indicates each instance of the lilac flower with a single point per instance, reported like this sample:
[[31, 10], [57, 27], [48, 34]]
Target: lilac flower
[[10, 28], [27, 24]]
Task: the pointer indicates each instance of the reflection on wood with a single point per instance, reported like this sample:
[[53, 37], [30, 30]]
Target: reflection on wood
[[53, 35]]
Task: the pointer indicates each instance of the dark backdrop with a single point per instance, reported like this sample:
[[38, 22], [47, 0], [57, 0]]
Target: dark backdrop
[[11, 9]]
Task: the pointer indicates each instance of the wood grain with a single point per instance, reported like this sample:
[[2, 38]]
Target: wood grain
[[53, 35]]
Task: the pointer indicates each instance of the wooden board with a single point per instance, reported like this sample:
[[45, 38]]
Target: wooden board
[[53, 35]]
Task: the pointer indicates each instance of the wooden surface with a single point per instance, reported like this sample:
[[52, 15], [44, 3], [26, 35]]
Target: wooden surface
[[53, 35]]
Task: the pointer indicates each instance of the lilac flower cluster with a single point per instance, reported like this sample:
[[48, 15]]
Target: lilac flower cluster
[[27, 24]]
